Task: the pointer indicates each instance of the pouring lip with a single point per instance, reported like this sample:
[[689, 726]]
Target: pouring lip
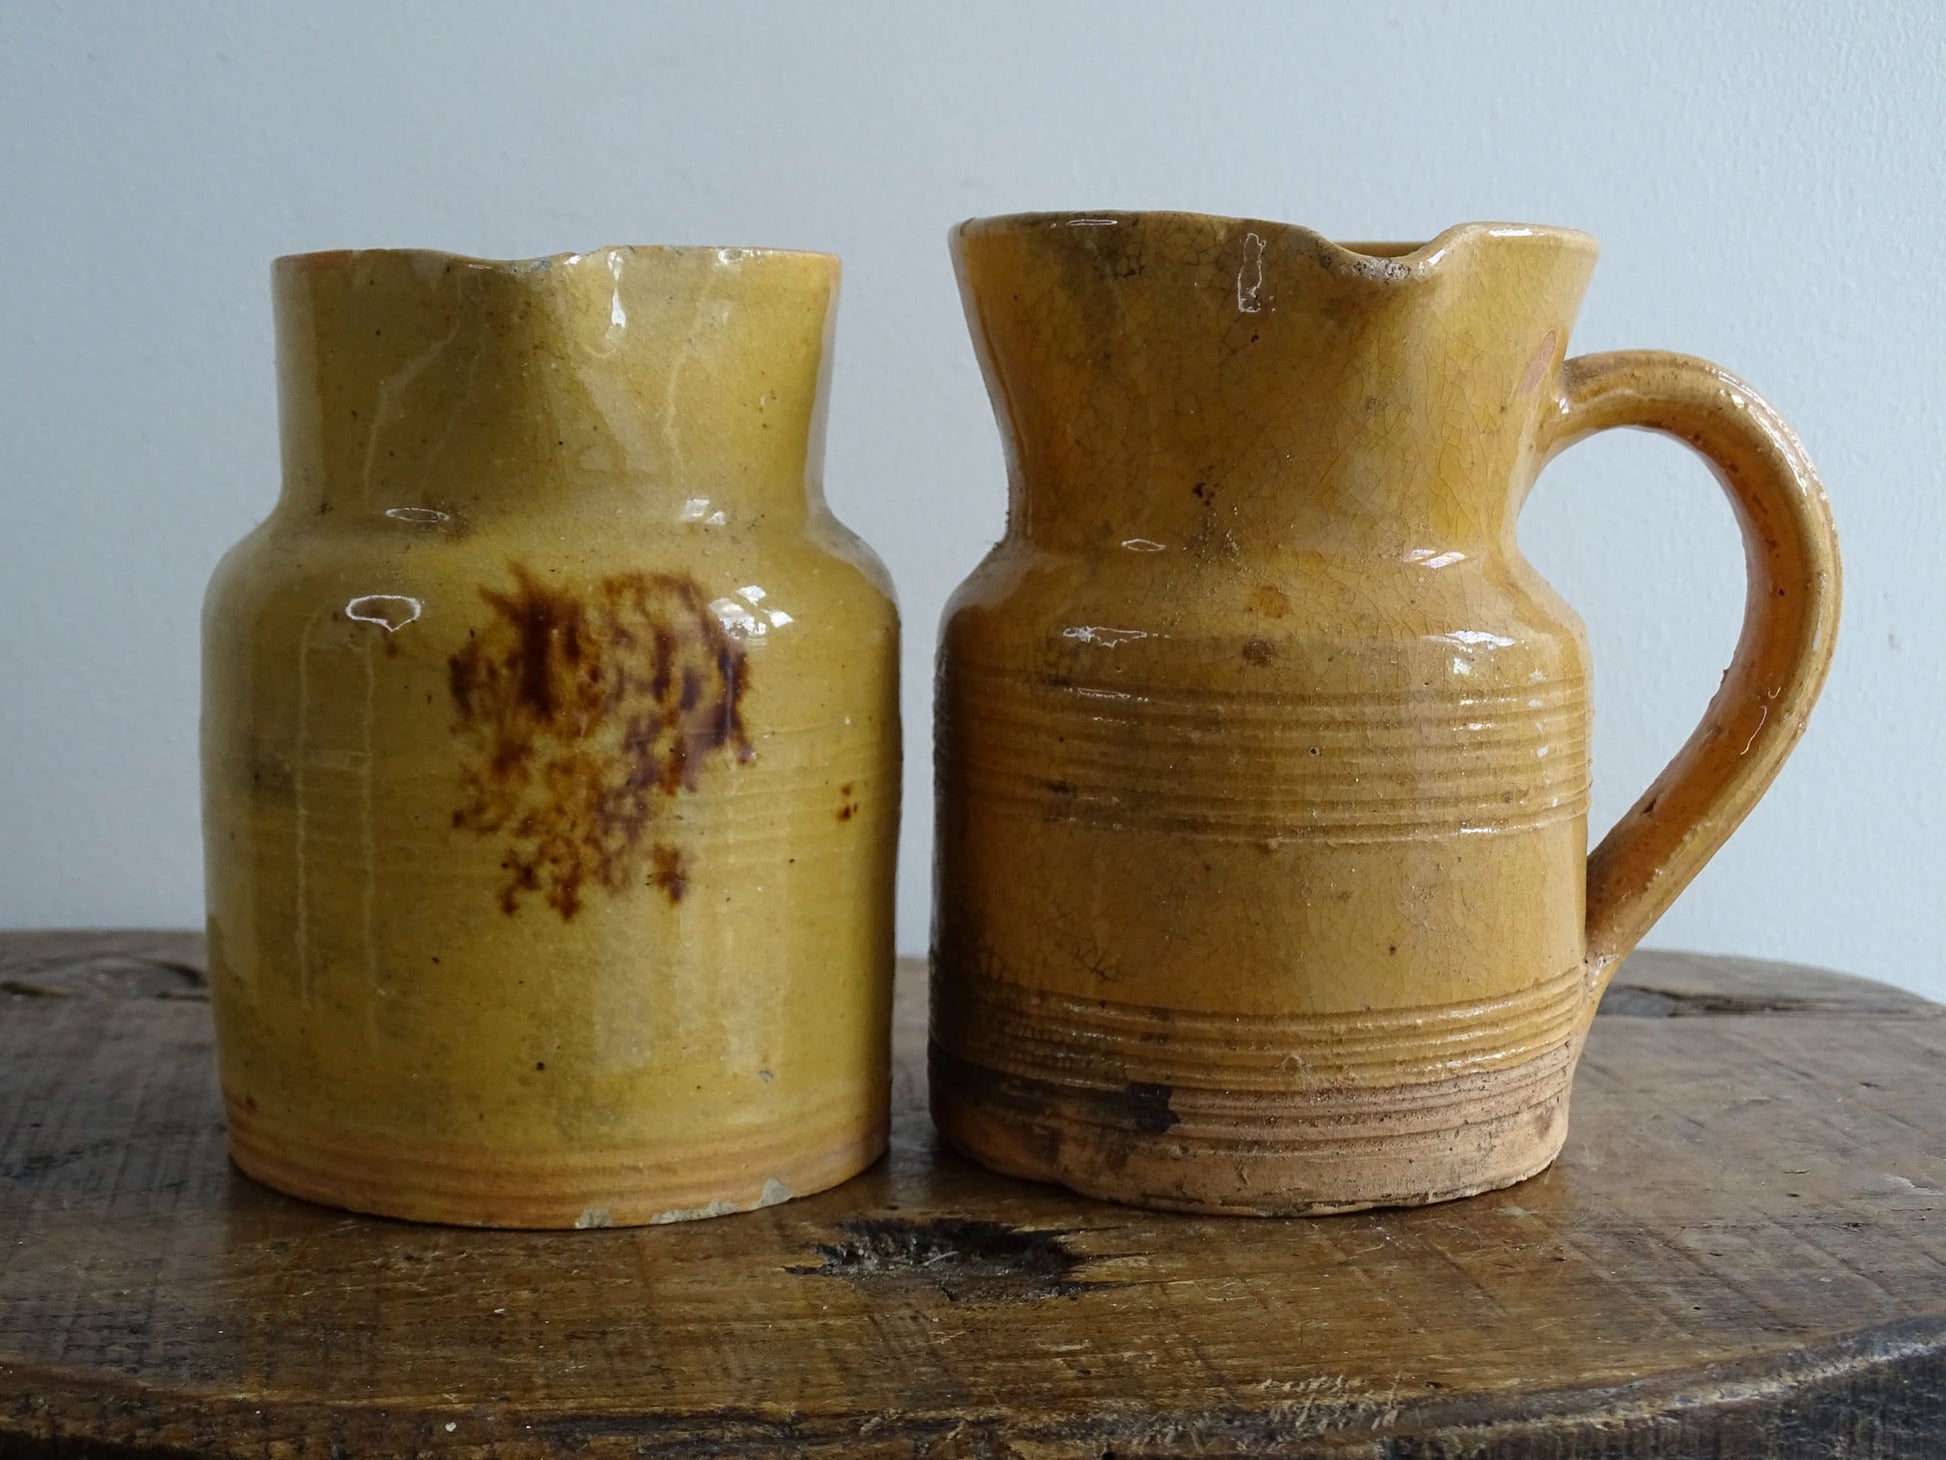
[[1386, 257], [323, 260]]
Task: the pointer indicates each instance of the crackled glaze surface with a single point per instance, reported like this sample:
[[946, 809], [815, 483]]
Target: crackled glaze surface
[[1262, 753], [551, 748]]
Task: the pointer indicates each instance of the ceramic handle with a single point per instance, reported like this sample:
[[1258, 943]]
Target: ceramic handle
[[1790, 620]]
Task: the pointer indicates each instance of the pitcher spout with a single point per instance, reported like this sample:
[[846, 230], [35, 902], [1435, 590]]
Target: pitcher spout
[[1171, 362]]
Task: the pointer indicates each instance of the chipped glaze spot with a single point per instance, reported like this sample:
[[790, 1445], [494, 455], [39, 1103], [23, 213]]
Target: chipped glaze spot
[[717, 1208], [1100, 634], [774, 1192]]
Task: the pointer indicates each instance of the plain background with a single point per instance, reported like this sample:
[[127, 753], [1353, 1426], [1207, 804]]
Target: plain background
[[1765, 179]]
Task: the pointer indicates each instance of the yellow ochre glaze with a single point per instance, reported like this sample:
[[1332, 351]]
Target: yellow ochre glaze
[[1263, 754], [551, 748]]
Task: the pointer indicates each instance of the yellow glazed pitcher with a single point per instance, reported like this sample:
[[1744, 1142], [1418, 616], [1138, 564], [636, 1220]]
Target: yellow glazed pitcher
[[550, 748], [1263, 754]]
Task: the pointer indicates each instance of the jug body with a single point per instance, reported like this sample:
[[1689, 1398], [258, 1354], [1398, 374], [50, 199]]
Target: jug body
[[1262, 754], [550, 749]]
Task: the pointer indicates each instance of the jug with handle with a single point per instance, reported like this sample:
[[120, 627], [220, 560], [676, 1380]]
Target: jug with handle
[[1263, 754]]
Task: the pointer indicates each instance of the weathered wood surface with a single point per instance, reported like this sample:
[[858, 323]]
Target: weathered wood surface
[[1742, 1252]]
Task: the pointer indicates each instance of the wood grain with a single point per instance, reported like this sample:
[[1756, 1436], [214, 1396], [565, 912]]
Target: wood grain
[[1742, 1252]]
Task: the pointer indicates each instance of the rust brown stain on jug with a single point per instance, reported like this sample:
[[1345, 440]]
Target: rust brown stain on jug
[[582, 713], [669, 873], [569, 744]]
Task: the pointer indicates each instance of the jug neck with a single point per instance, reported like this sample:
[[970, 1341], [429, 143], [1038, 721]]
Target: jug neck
[[1217, 385], [680, 380]]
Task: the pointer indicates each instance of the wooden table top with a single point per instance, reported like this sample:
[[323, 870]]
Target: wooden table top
[[1742, 1252]]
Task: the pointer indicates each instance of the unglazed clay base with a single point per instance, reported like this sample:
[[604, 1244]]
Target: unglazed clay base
[[476, 1188], [1256, 1115]]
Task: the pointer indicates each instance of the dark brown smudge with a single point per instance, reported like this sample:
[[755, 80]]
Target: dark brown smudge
[[582, 715], [1149, 1105], [668, 872]]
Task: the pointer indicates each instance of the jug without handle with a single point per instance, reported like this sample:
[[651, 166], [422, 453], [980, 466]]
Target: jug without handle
[[551, 748], [1262, 752]]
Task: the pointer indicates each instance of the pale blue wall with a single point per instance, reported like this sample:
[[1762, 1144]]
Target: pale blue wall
[[1765, 178]]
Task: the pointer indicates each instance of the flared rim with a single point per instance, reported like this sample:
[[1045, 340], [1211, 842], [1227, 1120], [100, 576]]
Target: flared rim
[[422, 257], [1394, 255]]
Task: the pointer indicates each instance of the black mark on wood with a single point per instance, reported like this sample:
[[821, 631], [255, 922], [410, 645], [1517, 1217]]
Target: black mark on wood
[[112, 975], [965, 1260]]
